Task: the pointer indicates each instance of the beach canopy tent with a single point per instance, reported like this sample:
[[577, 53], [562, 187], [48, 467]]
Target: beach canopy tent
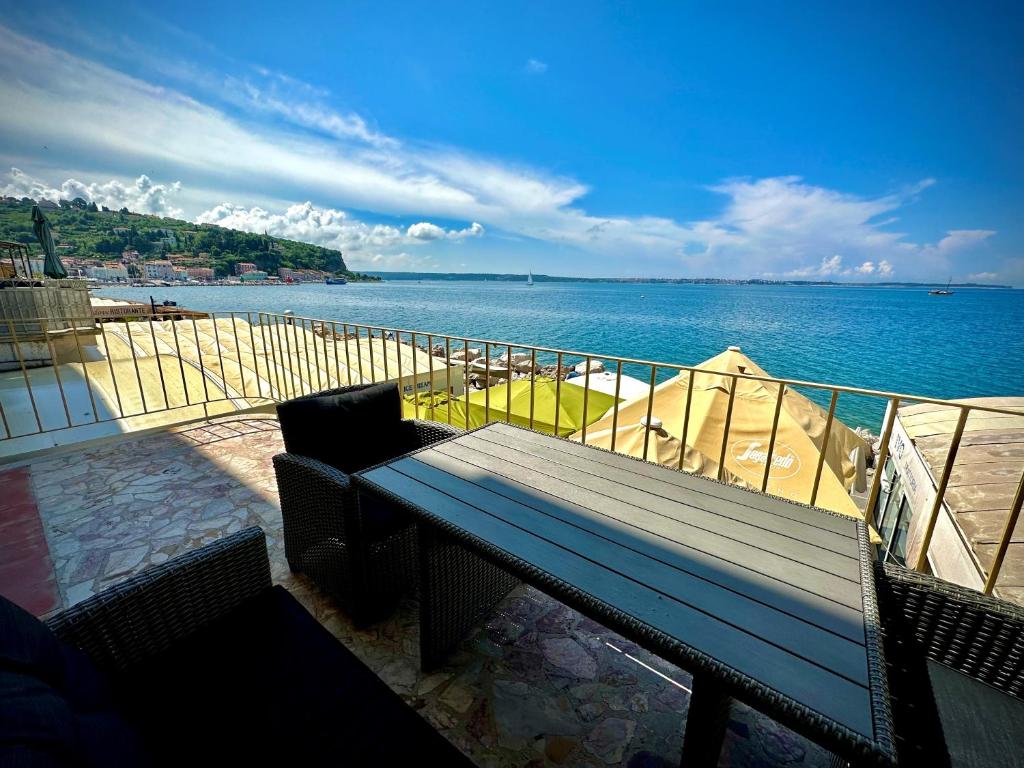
[[605, 381], [545, 394], [799, 438]]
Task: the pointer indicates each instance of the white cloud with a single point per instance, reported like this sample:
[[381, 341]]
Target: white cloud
[[141, 196], [311, 151], [424, 230], [535, 67], [833, 267], [983, 277], [329, 227]]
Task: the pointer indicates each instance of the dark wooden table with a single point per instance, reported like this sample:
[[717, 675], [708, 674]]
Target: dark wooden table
[[762, 599]]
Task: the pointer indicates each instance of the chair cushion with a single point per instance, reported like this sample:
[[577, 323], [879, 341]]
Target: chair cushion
[[350, 430], [982, 725], [56, 708], [271, 686]]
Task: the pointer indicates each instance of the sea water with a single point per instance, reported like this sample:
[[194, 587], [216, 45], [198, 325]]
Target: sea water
[[894, 339]]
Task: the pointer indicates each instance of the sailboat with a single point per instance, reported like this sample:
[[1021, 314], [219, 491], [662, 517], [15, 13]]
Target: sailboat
[[529, 278], [942, 291]]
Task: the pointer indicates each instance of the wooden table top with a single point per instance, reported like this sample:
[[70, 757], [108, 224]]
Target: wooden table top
[[770, 589]]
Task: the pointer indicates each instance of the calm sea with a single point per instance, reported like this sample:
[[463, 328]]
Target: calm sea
[[901, 339]]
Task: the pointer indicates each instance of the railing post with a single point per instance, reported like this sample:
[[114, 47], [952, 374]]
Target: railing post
[[448, 374], [650, 409], [1004, 540], [85, 371], [824, 445], [181, 365], [110, 367], [883, 455], [558, 390], [508, 384], [24, 374], [771, 440], [940, 492], [56, 369], [586, 397], [135, 363], [348, 354], [686, 419], [465, 373], [615, 405], [487, 383], [202, 368], [533, 381], [725, 431]]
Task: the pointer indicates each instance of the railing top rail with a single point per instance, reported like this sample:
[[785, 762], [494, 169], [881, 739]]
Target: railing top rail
[[904, 398], [888, 395]]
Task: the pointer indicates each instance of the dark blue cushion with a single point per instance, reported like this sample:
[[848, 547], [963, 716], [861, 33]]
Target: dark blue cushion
[[55, 706], [278, 689], [351, 430], [982, 726]]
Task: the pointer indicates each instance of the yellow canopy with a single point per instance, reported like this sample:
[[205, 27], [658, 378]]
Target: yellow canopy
[[570, 406], [798, 440]]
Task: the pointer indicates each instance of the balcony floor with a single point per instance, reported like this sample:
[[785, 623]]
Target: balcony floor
[[538, 685]]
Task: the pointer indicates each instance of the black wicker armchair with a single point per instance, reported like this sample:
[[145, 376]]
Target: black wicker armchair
[[956, 671], [199, 660], [365, 556]]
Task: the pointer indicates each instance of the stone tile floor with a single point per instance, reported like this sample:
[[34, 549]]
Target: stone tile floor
[[538, 685]]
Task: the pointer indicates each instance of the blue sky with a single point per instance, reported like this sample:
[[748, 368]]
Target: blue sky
[[838, 141]]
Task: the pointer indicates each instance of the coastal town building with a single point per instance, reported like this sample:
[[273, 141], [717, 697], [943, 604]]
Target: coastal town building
[[161, 269], [111, 272], [244, 266], [253, 276], [302, 275], [203, 274], [130, 255]]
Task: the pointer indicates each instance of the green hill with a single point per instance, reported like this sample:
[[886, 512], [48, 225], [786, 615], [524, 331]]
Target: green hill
[[104, 234]]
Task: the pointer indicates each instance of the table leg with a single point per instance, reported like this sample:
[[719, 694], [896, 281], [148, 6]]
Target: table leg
[[457, 589], [706, 721]]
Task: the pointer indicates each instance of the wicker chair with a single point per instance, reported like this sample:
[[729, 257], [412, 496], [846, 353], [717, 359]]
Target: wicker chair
[[364, 557], [942, 715]]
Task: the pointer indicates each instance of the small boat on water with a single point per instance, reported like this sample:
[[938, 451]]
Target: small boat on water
[[942, 291], [529, 278], [336, 281]]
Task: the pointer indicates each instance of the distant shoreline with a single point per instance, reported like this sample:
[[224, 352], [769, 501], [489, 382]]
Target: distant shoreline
[[509, 278], [484, 277]]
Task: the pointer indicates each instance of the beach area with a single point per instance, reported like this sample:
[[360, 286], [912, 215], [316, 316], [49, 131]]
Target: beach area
[[888, 339]]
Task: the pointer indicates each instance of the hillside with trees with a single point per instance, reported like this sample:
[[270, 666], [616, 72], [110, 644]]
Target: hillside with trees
[[99, 233]]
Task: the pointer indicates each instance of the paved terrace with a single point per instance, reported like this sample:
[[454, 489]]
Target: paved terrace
[[538, 685]]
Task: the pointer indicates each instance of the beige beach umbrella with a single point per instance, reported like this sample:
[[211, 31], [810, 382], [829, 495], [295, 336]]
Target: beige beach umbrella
[[799, 436]]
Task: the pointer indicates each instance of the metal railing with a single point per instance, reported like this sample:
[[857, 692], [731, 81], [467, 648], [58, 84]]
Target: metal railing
[[258, 358]]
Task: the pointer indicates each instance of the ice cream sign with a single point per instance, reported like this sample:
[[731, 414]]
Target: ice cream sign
[[751, 455]]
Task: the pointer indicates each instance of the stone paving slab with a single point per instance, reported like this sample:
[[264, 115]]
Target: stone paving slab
[[536, 685]]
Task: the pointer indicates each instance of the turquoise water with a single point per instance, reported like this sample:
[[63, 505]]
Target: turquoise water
[[901, 339]]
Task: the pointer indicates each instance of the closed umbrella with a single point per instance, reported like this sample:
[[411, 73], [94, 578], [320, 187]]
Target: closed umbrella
[[51, 264]]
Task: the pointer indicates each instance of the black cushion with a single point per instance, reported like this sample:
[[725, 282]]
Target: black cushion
[[350, 430], [981, 725], [56, 708], [267, 684]]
